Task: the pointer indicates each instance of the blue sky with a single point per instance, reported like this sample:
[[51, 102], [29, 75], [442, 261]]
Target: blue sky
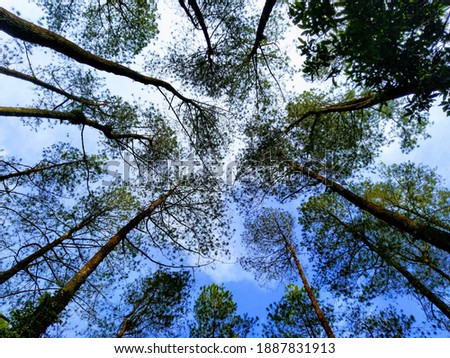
[[252, 298]]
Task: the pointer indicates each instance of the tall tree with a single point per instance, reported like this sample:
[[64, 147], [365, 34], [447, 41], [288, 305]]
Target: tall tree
[[270, 236], [46, 313], [157, 304], [294, 316], [215, 315], [353, 244]]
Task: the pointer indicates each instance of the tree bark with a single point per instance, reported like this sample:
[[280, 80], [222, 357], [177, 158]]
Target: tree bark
[[29, 32], [418, 230], [50, 308], [320, 315], [268, 7]]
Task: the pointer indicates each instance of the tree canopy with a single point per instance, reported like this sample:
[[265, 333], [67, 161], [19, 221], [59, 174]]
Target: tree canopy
[[146, 140]]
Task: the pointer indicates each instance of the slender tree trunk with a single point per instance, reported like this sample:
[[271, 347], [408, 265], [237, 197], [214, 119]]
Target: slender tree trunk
[[418, 230], [51, 307], [124, 326], [413, 281], [22, 264], [268, 7], [320, 315]]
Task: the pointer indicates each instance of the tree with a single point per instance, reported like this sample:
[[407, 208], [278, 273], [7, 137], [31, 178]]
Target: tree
[[294, 316], [397, 50], [157, 305], [437, 237], [134, 125], [46, 313], [354, 245], [215, 315], [269, 235], [384, 324], [150, 307]]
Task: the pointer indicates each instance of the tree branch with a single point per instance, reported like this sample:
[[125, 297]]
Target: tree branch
[[36, 170], [37, 82], [29, 32], [268, 6], [74, 117]]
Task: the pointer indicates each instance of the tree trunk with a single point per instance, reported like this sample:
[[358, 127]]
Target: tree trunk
[[418, 230], [268, 7], [29, 32], [22, 264], [51, 307], [413, 281], [320, 315]]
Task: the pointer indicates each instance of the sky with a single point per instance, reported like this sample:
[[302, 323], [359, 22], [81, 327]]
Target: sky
[[250, 296]]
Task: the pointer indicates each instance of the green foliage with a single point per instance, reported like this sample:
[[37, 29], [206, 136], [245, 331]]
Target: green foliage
[[355, 252], [387, 323], [114, 29], [152, 306], [415, 190], [215, 315], [374, 49], [294, 316], [23, 319], [336, 143], [4, 326], [267, 254], [377, 44], [224, 70]]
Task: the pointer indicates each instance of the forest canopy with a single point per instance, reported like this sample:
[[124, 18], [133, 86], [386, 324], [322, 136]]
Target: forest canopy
[[148, 143]]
